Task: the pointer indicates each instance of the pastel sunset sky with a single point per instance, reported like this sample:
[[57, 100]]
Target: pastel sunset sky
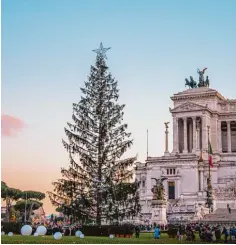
[[46, 57]]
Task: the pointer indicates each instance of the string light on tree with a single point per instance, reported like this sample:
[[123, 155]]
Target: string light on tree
[[98, 185]]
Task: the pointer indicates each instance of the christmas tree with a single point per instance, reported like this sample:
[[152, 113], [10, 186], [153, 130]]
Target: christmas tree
[[98, 183]]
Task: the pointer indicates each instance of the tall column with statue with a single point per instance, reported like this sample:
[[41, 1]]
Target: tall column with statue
[[159, 202], [167, 153]]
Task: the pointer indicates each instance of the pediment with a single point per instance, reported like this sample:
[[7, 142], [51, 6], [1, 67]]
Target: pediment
[[188, 106]]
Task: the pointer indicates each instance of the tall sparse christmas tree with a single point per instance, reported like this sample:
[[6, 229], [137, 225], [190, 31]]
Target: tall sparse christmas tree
[[92, 186]]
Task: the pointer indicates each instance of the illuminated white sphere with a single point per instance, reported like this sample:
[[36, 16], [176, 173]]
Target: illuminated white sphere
[[111, 236], [26, 230], [78, 233], [81, 236], [36, 234], [3, 233], [10, 234], [41, 230], [57, 235]]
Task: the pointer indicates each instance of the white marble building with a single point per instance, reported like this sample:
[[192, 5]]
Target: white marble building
[[194, 110]]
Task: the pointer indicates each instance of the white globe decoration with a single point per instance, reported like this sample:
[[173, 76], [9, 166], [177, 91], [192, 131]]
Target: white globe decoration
[[3, 233], [10, 234], [81, 236], [111, 236], [41, 230], [78, 233], [57, 235], [26, 230], [36, 234]]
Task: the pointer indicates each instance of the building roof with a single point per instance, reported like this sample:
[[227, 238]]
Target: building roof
[[196, 92]]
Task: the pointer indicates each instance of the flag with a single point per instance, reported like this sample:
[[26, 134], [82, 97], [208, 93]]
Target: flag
[[210, 153]]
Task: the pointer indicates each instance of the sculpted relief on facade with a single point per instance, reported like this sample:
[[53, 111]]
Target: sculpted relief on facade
[[188, 106], [228, 191]]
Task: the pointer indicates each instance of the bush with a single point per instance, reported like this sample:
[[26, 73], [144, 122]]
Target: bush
[[11, 227], [172, 231], [106, 230]]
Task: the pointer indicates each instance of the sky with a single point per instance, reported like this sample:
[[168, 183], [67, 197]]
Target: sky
[[46, 57]]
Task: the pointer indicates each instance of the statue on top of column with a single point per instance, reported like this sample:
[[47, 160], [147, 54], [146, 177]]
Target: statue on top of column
[[202, 83]]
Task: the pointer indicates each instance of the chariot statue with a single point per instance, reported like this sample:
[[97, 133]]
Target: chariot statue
[[201, 82]]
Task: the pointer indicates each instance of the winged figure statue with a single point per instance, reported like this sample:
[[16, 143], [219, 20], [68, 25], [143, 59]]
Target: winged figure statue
[[158, 189]]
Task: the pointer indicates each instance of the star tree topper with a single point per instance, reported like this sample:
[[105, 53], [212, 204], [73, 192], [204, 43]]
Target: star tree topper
[[101, 51]]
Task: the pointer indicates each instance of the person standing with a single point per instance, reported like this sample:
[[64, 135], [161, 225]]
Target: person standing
[[137, 231], [181, 233], [226, 234], [157, 232]]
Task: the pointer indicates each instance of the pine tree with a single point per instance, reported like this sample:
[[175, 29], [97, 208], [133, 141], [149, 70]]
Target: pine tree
[[97, 139]]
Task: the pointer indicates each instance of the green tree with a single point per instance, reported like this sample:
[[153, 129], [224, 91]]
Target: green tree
[[21, 199], [9, 195], [97, 140]]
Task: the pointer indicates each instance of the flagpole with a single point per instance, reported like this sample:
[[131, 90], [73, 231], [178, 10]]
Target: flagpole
[[209, 187], [147, 143], [209, 167]]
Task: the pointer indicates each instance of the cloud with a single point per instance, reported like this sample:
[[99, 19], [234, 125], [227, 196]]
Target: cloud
[[11, 126]]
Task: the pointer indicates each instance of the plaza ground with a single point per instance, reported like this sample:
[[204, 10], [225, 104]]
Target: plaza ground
[[145, 238]]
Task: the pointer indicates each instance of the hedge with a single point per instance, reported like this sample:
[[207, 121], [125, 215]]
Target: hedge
[[106, 230]]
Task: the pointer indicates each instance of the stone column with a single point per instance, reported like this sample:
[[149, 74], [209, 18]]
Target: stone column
[[198, 137], [149, 182], [194, 135], [178, 188], [219, 137], [185, 136], [228, 136], [167, 143], [175, 135], [201, 180], [204, 134], [190, 136]]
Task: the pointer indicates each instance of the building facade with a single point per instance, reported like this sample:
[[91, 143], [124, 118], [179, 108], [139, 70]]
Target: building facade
[[199, 115]]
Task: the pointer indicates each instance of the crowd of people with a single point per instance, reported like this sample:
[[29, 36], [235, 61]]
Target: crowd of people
[[215, 233], [206, 232]]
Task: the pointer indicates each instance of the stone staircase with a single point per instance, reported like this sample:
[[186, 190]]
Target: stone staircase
[[221, 215]]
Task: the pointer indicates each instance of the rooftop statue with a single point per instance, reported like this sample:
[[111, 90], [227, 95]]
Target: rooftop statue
[[202, 83], [191, 83]]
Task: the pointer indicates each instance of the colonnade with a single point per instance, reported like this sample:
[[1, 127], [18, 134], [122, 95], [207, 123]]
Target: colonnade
[[227, 137], [187, 134], [190, 135]]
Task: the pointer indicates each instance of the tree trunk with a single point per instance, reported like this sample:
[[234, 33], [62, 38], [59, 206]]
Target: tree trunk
[[8, 209]]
